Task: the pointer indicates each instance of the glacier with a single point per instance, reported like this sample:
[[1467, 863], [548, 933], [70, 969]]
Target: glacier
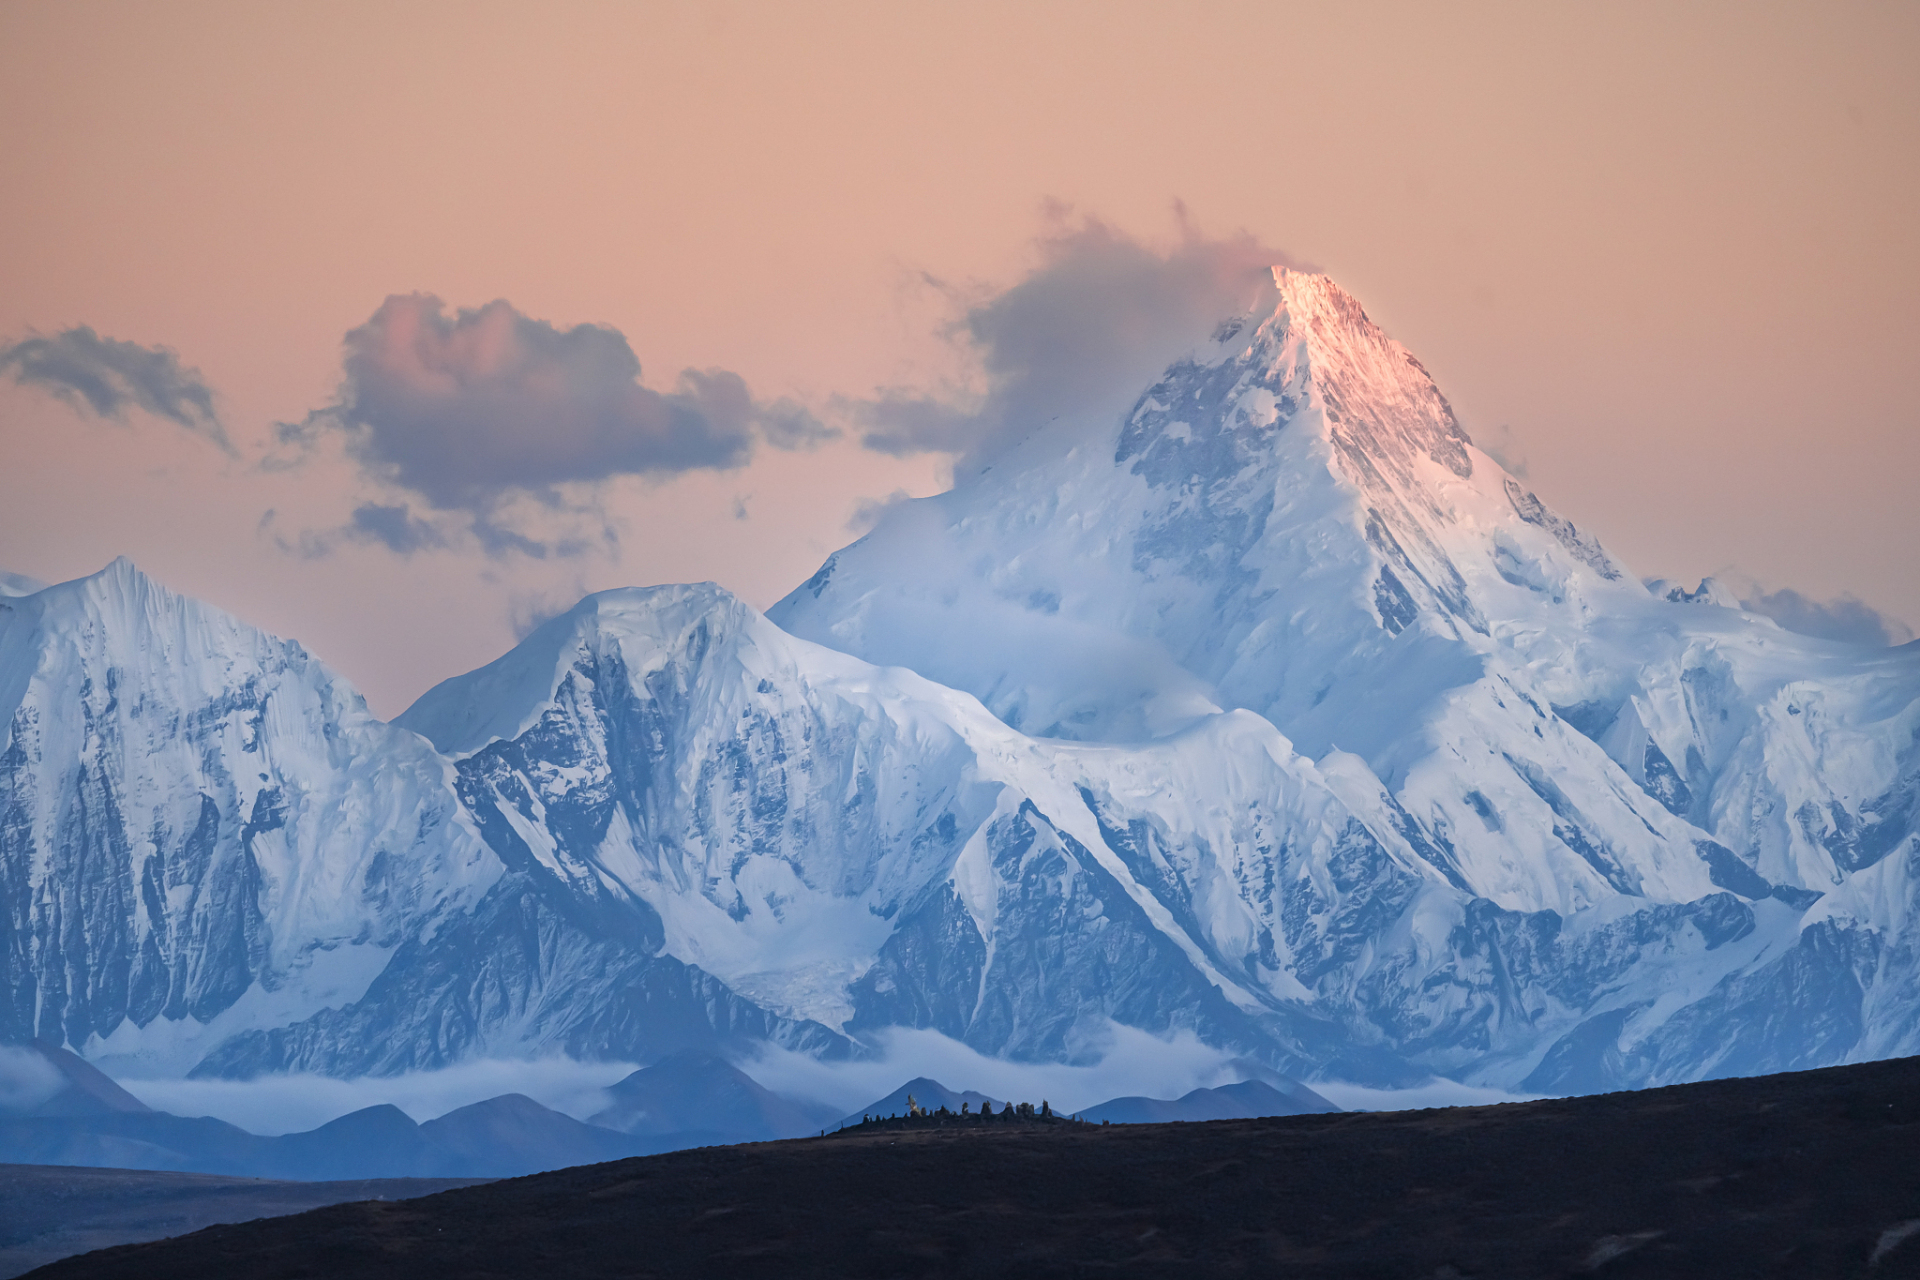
[[1274, 713]]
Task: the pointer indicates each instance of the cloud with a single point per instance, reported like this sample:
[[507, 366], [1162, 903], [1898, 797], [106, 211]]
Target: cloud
[[867, 512], [474, 413], [397, 528], [1080, 336], [1126, 1061], [527, 610], [1846, 617], [1120, 1061], [1503, 447], [26, 1079], [106, 375]]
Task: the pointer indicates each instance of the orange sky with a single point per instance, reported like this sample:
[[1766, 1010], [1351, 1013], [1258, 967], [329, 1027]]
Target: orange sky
[[1665, 254]]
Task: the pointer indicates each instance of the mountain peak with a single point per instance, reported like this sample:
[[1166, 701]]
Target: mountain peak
[[123, 576], [120, 573], [1378, 398], [1309, 345], [1311, 295], [120, 584], [464, 713]]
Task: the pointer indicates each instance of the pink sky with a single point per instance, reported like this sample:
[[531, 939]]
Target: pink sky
[[1665, 256]]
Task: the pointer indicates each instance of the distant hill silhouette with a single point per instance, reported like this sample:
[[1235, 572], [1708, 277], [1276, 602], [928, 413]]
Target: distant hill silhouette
[[78, 1088], [91, 1122], [700, 1094], [1248, 1100]]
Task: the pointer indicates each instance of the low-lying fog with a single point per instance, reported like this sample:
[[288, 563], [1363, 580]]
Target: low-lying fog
[[1125, 1062]]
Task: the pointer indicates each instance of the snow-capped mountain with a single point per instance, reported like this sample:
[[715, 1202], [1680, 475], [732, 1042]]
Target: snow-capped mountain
[[1291, 522], [1275, 712], [214, 858], [201, 827], [852, 847]]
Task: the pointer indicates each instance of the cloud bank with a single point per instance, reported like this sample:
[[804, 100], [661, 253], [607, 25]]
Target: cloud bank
[[1845, 617], [105, 376], [472, 412], [1127, 1062], [1124, 1061], [1079, 337]]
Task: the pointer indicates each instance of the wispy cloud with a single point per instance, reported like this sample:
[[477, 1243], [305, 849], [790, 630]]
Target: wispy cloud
[[1845, 617], [395, 527], [105, 376], [867, 512], [1080, 336], [1435, 1093], [1124, 1061], [527, 610], [1503, 447]]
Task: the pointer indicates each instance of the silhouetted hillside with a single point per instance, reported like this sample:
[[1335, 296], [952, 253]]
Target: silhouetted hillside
[[51, 1211], [1807, 1174]]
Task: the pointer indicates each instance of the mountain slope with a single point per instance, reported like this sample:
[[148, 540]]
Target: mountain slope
[[214, 859]]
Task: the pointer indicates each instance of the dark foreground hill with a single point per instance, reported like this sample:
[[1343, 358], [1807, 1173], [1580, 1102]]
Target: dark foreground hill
[[1808, 1174], [49, 1212]]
